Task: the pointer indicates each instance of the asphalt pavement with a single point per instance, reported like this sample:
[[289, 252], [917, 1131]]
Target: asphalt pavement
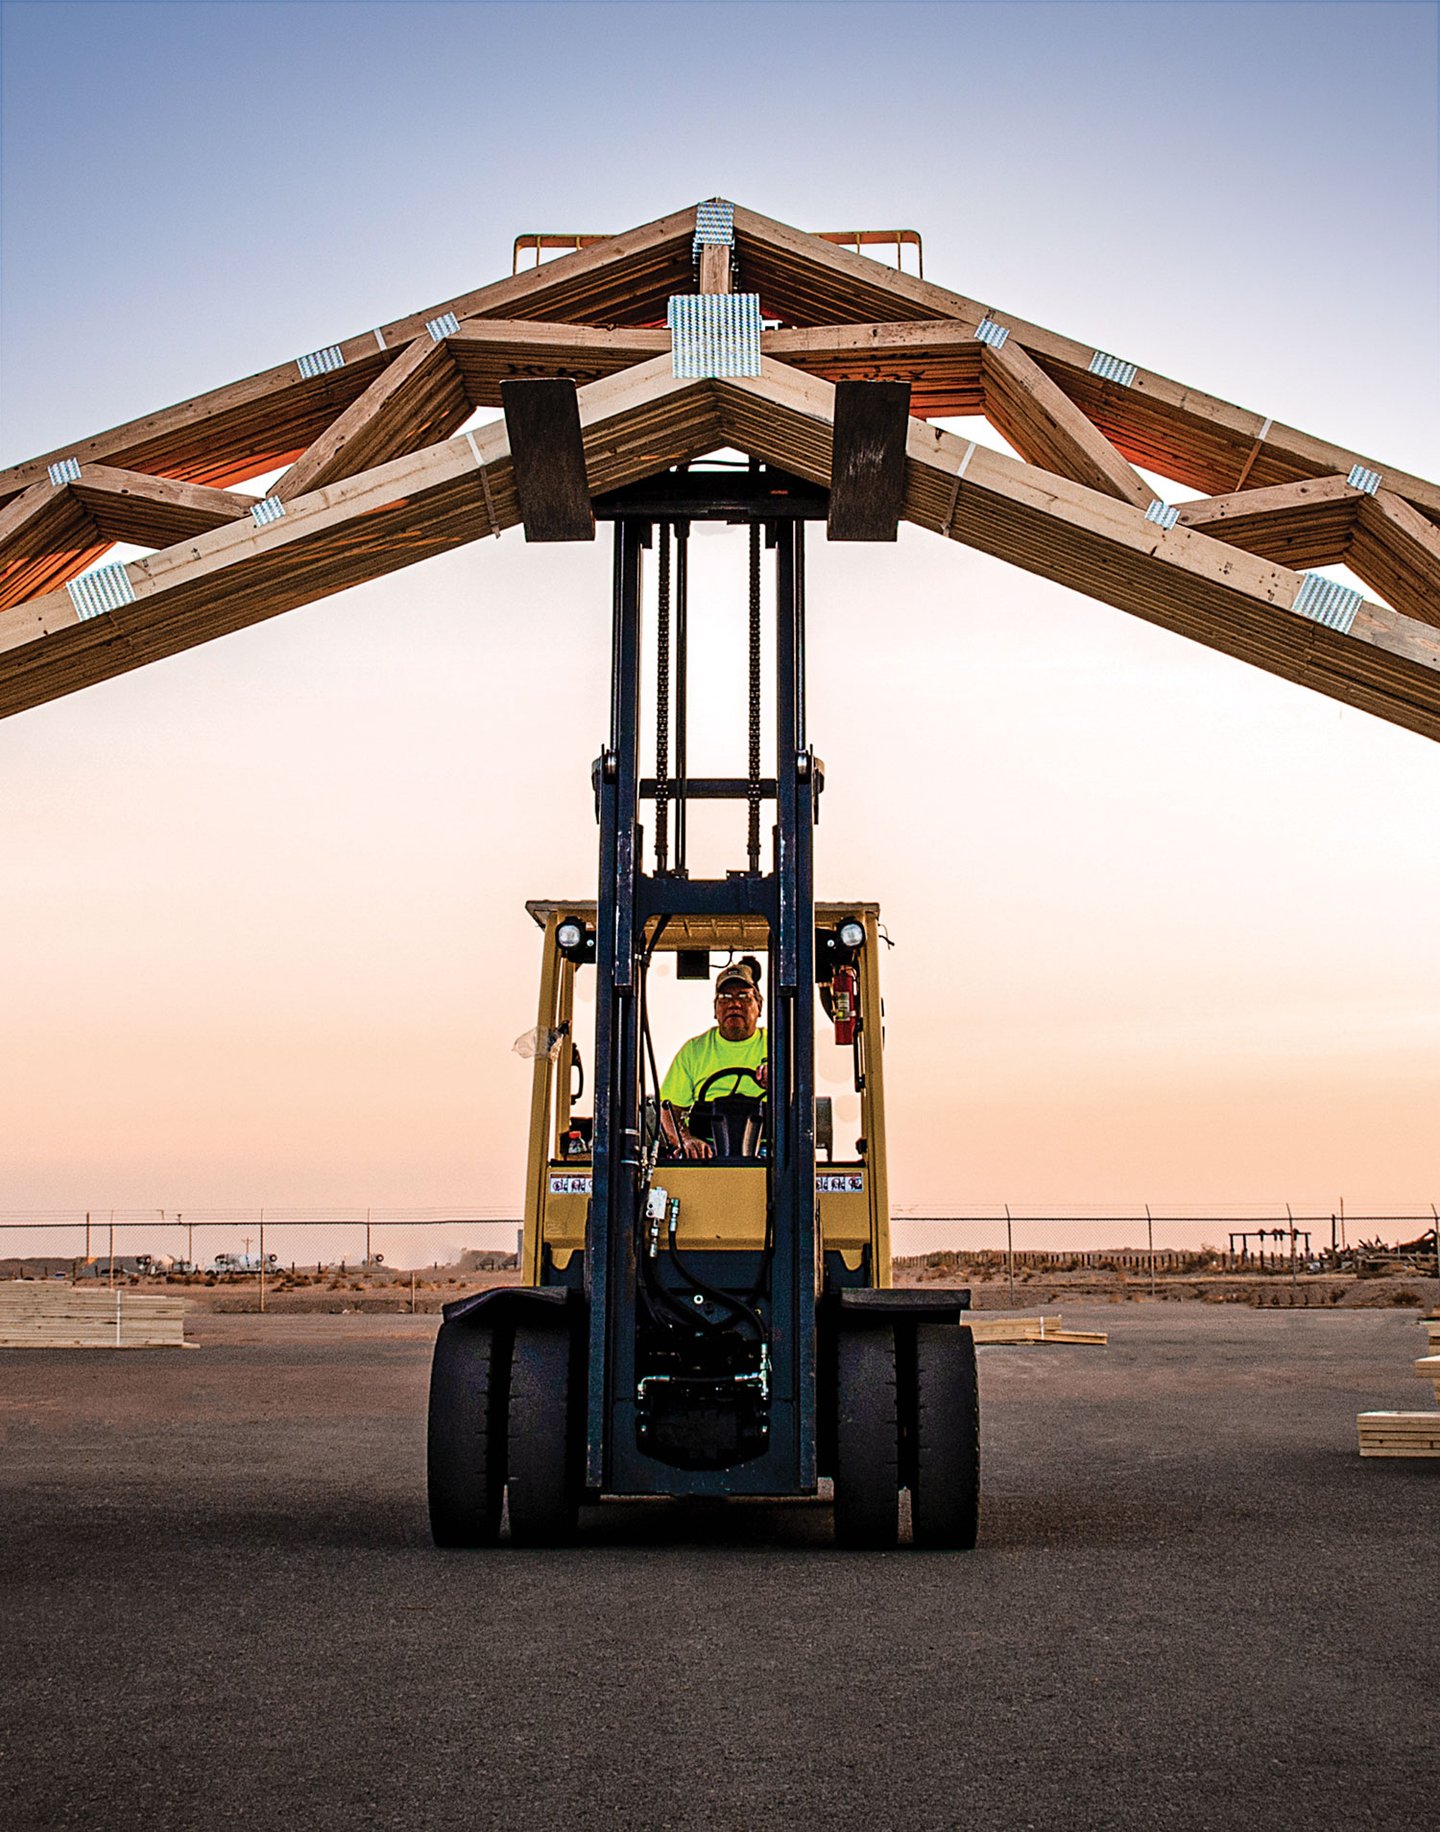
[[1192, 1606]]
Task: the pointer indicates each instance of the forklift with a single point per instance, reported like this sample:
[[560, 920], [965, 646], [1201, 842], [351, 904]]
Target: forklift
[[724, 1324]]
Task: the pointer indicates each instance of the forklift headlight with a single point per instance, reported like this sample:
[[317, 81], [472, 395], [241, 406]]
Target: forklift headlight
[[851, 933], [575, 940]]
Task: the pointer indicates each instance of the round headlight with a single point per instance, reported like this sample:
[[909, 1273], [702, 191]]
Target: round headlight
[[569, 935], [851, 933]]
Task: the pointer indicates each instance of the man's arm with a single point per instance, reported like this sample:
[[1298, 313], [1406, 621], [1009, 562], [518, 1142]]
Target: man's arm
[[677, 1096], [679, 1136]]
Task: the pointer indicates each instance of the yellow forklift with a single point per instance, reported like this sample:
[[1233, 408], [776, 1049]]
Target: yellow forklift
[[722, 1322]]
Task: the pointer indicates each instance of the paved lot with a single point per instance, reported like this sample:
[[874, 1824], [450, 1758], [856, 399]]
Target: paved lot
[[1193, 1606]]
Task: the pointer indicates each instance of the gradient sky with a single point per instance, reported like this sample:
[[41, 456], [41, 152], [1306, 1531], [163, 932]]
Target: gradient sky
[[1166, 926]]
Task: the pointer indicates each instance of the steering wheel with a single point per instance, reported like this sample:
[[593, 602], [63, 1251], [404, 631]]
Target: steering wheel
[[731, 1123], [702, 1093]]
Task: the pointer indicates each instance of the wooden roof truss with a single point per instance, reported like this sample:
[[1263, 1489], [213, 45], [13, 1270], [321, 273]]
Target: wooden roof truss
[[376, 474]]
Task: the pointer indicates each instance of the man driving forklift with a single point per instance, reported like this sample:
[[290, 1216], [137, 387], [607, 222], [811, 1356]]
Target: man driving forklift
[[736, 1042]]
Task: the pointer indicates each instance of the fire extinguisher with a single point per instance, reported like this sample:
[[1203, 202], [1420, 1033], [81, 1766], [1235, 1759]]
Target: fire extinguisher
[[842, 1003]]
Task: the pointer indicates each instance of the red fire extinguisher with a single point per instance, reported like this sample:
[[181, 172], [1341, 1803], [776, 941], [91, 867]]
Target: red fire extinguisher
[[842, 1003]]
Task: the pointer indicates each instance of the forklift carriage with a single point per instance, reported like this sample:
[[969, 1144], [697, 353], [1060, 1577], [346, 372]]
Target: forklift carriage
[[723, 1325]]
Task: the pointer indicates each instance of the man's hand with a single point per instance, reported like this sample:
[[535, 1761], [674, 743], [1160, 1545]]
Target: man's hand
[[762, 1075], [696, 1148]]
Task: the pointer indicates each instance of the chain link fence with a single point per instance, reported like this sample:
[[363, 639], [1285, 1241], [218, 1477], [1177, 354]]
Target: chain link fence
[[264, 1253], [380, 1245]]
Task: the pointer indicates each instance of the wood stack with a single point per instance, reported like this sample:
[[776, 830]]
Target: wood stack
[[37, 1316], [1029, 1329], [1428, 1368], [1406, 1434], [1399, 1434]]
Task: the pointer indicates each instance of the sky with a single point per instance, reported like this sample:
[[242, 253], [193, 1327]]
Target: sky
[[1165, 926]]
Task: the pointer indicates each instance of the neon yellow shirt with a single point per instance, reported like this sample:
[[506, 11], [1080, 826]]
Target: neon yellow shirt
[[698, 1059]]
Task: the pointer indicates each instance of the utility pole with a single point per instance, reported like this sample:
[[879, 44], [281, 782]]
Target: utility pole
[[1150, 1237]]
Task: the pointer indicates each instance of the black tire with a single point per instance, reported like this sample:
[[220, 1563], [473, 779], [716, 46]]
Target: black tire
[[945, 1477], [867, 1488], [465, 1439], [544, 1449]]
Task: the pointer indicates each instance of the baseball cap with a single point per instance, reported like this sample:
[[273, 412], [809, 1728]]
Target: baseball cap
[[736, 974]]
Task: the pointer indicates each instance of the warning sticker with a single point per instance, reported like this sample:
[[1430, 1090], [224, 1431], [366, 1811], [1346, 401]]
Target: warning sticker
[[569, 1186], [840, 1183]]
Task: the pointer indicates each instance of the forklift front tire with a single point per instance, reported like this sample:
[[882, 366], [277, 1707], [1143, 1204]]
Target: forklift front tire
[[945, 1478], [544, 1451], [465, 1439], [867, 1488]]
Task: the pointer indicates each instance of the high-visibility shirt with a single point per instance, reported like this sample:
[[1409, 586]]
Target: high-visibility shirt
[[696, 1061]]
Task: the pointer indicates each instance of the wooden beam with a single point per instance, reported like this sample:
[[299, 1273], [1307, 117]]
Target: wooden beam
[[939, 358], [1180, 579], [359, 528], [714, 276], [488, 352], [1046, 427], [542, 424], [1300, 524], [1396, 551], [266, 420], [416, 401], [150, 511], [1157, 423], [46, 538], [867, 464]]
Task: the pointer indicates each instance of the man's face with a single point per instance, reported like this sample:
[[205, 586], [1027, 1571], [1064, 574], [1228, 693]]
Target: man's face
[[737, 1011]]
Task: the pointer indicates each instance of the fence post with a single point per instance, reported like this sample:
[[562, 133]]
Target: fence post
[[1294, 1276], [112, 1249], [1150, 1237], [412, 1291], [367, 1240], [87, 1237], [1010, 1253], [262, 1259]]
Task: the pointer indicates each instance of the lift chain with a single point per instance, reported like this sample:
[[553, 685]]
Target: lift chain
[[752, 793], [662, 706]]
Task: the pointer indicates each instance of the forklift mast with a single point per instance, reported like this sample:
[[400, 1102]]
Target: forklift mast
[[632, 901]]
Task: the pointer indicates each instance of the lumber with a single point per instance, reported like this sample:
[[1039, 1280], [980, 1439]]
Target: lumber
[[1046, 427], [265, 421], [642, 420], [1399, 1434], [867, 461], [987, 1328], [416, 401], [361, 528], [1159, 424], [1180, 579], [1428, 1368], [46, 538], [1300, 524], [1396, 551], [54, 1315]]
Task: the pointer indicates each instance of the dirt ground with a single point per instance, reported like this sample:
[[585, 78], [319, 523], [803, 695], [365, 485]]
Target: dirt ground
[[390, 1292], [1193, 1605]]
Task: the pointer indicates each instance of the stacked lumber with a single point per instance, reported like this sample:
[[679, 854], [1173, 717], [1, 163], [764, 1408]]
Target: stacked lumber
[[1406, 1434], [38, 1316], [1399, 1434], [1029, 1329]]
